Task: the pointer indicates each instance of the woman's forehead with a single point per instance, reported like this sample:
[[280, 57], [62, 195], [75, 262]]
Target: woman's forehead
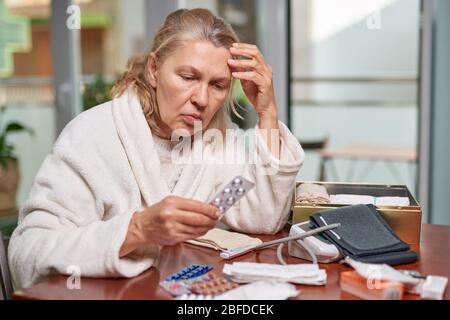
[[203, 57]]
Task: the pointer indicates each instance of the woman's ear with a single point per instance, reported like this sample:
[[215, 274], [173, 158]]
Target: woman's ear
[[152, 70]]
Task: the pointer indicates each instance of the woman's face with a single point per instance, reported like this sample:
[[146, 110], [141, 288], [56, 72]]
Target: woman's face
[[191, 85]]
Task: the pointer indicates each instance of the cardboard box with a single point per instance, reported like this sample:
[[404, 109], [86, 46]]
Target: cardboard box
[[406, 221]]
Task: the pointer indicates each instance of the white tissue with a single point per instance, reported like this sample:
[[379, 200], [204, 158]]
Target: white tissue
[[244, 272], [354, 199], [392, 201], [351, 199], [262, 290]]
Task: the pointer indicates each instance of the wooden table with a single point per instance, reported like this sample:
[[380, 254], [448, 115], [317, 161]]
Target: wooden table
[[434, 259]]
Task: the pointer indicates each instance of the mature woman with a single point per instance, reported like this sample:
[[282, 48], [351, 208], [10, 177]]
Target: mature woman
[[110, 195]]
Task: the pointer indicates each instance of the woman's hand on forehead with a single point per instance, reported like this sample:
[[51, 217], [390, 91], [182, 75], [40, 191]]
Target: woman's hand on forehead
[[249, 66]]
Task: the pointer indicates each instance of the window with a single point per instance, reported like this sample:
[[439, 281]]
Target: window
[[354, 80], [26, 87]]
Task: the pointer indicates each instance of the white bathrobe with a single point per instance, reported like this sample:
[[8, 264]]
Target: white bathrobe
[[102, 169]]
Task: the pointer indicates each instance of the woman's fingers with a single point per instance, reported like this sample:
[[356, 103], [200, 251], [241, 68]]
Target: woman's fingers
[[205, 209], [244, 65], [245, 45], [248, 51], [251, 76], [236, 52], [248, 63], [195, 219], [183, 232], [192, 232], [256, 61]]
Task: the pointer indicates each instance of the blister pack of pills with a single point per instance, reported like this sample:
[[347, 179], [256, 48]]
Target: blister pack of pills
[[181, 287], [231, 193], [206, 285], [176, 288], [190, 272], [213, 286]]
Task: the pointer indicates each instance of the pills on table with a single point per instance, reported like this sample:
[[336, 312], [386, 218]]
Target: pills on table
[[189, 272]]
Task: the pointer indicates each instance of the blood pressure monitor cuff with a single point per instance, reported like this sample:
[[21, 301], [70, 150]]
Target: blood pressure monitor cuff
[[364, 235]]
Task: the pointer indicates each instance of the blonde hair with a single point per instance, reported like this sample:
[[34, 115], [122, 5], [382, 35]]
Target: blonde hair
[[180, 27]]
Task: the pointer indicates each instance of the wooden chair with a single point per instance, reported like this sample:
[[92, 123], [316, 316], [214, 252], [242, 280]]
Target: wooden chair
[[5, 275], [317, 145]]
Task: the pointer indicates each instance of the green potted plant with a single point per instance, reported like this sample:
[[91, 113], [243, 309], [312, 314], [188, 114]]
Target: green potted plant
[[9, 168], [97, 92]]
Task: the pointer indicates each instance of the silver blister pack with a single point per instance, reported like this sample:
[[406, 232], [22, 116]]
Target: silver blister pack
[[232, 193]]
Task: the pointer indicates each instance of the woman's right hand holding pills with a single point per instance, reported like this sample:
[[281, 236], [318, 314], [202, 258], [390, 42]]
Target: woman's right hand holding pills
[[168, 222]]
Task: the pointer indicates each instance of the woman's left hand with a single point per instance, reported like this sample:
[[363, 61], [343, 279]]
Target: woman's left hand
[[256, 79]]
